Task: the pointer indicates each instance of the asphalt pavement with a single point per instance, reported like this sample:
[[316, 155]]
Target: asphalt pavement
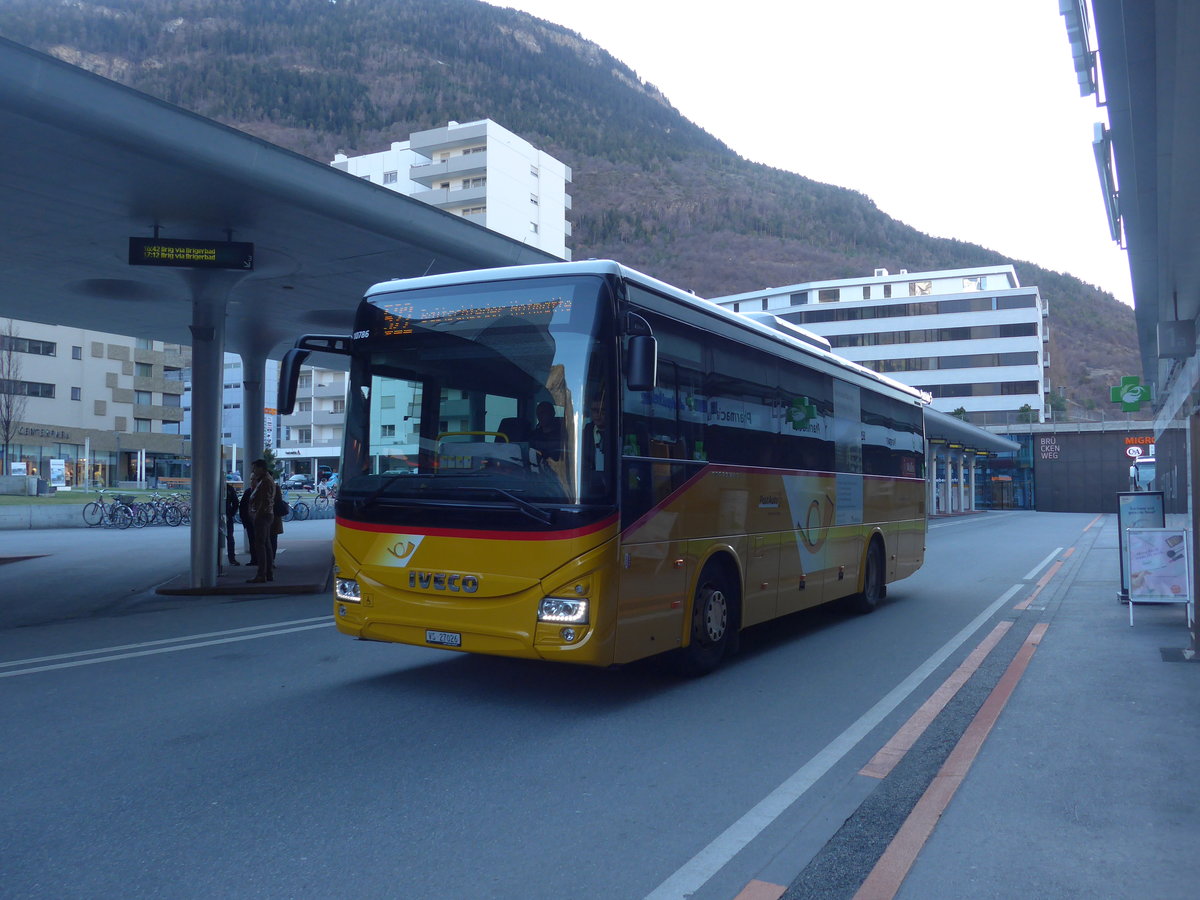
[[1079, 783]]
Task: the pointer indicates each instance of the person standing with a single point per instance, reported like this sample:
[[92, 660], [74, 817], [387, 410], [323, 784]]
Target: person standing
[[231, 510], [262, 517]]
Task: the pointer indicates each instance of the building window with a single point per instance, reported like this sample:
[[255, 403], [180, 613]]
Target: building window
[[171, 428], [76, 353], [829, 295], [476, 182], [764, 303], [27, 388], [388, 431], [799, 298], [469, 150], [304, 405], [887, 292], [141, 424], [171, 400], [391, 177], [920, 288], [76, 393], [172, 373], [143, 344], [143, 398], [143, 370], [339, 405], [866, 292], [444, 186], [971, 284], [533, 227], [28, 345], [387, 402], [474, 211]]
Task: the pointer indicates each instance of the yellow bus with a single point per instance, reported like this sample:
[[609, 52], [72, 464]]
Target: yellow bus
[[577, 462]]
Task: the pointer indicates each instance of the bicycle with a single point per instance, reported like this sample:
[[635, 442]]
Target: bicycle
[[115, 513], [298, 508]]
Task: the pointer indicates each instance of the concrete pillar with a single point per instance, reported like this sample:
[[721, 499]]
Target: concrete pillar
[[254, 379], [210, 292], [930, 479], [208, 353], [960, 458], [974, 473]]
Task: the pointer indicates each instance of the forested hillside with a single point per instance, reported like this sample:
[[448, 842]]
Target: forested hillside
[[650, 188]]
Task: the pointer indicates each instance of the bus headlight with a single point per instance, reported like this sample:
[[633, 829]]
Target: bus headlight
[[562, 609], [347, 589]]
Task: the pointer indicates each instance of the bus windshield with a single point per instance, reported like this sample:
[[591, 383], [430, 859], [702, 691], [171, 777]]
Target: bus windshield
[[483, 395]]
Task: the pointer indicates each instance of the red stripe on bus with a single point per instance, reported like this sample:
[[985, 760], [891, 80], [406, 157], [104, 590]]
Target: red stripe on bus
[[564, 535]]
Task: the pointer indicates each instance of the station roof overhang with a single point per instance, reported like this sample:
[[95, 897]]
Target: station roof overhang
[[1150, 70], [947, 429], [89, 163]]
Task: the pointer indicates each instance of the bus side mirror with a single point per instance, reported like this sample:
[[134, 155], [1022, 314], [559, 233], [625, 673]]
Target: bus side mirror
[[289, 374], [641, 363]]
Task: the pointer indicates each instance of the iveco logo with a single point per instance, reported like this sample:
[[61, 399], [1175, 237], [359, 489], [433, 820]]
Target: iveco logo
[[443, 581]]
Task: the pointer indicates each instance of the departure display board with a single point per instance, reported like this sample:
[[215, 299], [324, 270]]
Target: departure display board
[[186, 254]]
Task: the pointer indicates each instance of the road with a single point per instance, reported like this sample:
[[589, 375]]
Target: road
[[179, 748]]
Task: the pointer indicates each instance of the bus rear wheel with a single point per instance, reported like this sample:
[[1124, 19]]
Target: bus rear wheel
[[874, 586], [713, 620]]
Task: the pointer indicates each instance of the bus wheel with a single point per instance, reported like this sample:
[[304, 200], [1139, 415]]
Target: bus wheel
[[713, 619], [874, 588]]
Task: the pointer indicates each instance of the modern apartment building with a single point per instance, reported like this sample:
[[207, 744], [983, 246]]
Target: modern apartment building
[[98, 408], [311, 437], [975, 339], [483, 172], [233, 438]]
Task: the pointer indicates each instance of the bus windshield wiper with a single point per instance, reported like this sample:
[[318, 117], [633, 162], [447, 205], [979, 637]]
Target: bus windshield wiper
[[534, 512]]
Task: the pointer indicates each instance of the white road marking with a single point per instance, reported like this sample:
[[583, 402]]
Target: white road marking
[[1045, 562], [190, 642], [693, 874]]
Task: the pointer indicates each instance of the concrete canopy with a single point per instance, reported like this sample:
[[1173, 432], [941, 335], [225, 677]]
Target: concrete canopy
[[1151, 77], [89, 163]]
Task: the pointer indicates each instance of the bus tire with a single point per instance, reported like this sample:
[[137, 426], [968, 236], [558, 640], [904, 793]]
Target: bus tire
[[874, 586], [714, 618]]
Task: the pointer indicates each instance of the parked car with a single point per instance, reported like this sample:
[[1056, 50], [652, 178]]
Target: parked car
[[298, 483]]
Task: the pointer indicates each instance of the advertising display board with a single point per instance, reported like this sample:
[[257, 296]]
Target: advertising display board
[[1160, 568], [1136, 509]]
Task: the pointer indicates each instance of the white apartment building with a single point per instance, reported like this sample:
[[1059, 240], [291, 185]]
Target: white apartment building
[[311, 437], [98, 408], [975, 339], [483, 172]]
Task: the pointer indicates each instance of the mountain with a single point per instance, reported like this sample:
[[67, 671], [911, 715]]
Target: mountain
[[651, 189]]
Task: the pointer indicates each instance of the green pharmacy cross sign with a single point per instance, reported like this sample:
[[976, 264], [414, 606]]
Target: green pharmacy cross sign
[[800, 413], [1131, 393]]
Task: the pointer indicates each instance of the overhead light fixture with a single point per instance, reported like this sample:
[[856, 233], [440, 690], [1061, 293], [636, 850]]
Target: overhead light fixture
[[1074, 14], [1102, 148]]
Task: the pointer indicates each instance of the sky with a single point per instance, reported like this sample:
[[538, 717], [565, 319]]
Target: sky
[[961, 118]]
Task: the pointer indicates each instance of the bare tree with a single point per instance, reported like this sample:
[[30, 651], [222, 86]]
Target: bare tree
[[12, 393]]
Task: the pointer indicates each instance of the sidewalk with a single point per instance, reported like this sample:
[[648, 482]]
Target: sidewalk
[[1084, 786], [301, 567]]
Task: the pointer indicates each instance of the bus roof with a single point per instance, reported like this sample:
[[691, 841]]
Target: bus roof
[[809, 344]]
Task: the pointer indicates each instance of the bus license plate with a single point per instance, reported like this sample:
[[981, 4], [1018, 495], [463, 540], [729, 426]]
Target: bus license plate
[[445, 638]]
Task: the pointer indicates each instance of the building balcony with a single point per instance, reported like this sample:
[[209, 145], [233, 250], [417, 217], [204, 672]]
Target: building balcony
[[454, 167], [461, 197]]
